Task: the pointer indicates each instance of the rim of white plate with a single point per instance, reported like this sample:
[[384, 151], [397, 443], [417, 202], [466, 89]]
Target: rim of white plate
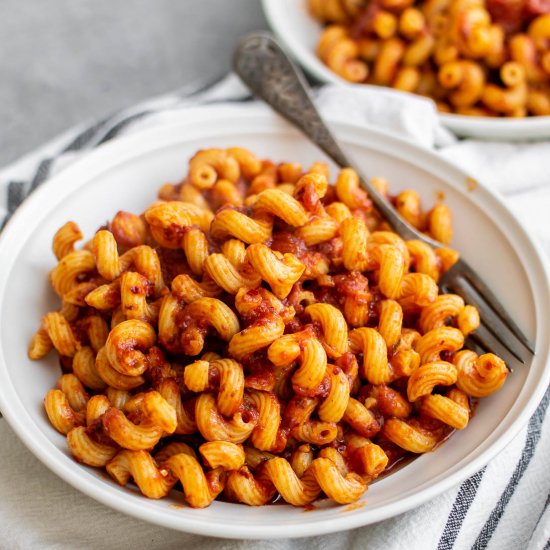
[[509, 128], [123, 150]]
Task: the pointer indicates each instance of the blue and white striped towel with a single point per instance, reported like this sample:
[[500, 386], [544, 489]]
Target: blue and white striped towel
[[503, 506]]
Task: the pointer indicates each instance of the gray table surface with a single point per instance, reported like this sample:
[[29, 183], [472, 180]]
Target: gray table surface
[[65, 62]]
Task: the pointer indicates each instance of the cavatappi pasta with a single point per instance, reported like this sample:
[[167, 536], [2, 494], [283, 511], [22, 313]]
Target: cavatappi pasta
[[473, 57], [258, 332]]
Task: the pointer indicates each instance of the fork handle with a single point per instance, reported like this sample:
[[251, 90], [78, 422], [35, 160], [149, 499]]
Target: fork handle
[[269, 73]]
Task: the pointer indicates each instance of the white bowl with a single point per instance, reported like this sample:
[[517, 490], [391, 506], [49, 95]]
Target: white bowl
[[299, 34], [126, 175]]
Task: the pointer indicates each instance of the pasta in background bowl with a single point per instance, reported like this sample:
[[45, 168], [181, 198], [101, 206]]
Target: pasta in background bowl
[[124, 176], [294, 24]]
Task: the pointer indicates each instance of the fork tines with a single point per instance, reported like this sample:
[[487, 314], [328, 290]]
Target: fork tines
[[497, 332]]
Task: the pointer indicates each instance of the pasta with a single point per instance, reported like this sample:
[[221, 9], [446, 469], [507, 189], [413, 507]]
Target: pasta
[[472, 57], [257, 332]]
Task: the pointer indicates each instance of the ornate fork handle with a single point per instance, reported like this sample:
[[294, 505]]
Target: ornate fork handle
[[269, 73]]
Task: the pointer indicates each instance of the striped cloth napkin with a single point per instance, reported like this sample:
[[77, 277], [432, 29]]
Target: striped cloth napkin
[[504, 505]]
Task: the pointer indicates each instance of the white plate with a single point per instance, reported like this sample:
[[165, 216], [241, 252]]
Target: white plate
[[299, 33], [126, 175]]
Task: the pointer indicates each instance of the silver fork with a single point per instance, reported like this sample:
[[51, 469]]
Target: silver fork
[[272, 76]]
